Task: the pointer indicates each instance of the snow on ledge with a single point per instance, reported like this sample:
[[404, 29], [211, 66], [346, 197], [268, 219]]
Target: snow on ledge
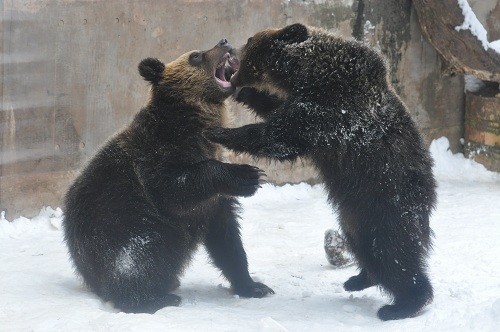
[[495, 45], [476, 28]]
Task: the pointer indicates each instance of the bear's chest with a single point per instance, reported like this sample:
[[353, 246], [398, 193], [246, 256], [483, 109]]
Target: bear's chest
[[195, 221]]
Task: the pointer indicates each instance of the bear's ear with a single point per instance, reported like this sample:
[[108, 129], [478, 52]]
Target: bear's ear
[[152, 70], [295, 33]]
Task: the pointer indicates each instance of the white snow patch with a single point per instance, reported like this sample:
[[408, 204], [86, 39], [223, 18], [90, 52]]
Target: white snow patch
[[368, 30], [368, 27], [182, 178], [472, 24], [495, 309], [495, 45], [269, 324], [47, 219], [125, 262], [455, 167], [472, 83]]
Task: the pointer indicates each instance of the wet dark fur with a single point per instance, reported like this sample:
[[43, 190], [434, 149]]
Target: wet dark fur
[[153, 192], [337, 107]]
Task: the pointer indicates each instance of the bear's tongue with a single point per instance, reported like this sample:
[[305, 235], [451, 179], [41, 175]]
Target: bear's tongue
[[220, 71], [227, 66]]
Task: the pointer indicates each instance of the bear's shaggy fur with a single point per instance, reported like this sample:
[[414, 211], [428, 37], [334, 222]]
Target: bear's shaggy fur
[[137, 211], [330, 99]]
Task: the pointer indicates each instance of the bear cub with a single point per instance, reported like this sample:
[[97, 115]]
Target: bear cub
[[154, 191], [330, 100]]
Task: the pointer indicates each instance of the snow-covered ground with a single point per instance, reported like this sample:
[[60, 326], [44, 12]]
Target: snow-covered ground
[[283, 230]]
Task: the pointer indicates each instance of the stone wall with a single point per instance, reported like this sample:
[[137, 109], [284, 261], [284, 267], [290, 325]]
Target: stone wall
[[69, 77]]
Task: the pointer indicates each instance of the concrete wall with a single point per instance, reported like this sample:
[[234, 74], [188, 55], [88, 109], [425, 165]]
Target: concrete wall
[[69, 77]]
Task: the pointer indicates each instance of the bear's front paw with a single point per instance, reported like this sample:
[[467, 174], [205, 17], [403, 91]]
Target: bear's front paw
[[243, 180], [216, 134], [254, 289], [245, 94]]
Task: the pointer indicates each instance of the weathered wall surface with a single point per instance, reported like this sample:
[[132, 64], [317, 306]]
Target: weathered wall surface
[[435, 100], [69, 78], [488, 13]]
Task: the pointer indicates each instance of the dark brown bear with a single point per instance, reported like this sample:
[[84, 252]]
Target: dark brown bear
[[154, 191], [330, 100]]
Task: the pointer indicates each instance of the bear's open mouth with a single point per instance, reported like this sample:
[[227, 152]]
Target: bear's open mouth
[[225, 69]]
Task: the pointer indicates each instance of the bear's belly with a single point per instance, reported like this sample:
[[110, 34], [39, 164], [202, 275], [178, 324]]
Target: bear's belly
[[199, 210]]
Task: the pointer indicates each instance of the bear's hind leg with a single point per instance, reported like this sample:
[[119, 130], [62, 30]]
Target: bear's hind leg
[[359, 282], [400, 269], [392, 251], [410, 300], [150, 305], [144, 266]]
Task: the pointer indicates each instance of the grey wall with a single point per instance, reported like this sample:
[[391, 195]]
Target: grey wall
[[69, 78]]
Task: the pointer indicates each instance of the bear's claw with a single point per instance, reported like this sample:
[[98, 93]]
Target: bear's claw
[[255, 289]]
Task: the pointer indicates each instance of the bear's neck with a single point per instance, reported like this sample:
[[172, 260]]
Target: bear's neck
[[211, 113], [168, 118]]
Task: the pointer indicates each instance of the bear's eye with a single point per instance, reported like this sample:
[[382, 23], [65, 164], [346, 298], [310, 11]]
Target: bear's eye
[[195, 58]]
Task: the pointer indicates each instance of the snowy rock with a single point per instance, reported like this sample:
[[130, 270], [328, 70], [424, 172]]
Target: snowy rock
[[336, 249]]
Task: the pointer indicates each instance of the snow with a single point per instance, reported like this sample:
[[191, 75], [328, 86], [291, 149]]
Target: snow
[[368, 30], [124, 263], [457, 168], [472, 83], [495, 45], [472, 24], [283, 230]]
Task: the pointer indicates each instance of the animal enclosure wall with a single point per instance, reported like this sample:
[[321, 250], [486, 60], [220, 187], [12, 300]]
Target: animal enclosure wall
[[69, 75]]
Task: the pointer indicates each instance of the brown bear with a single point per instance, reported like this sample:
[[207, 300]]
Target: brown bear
[[330, 100], [154, 191]]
